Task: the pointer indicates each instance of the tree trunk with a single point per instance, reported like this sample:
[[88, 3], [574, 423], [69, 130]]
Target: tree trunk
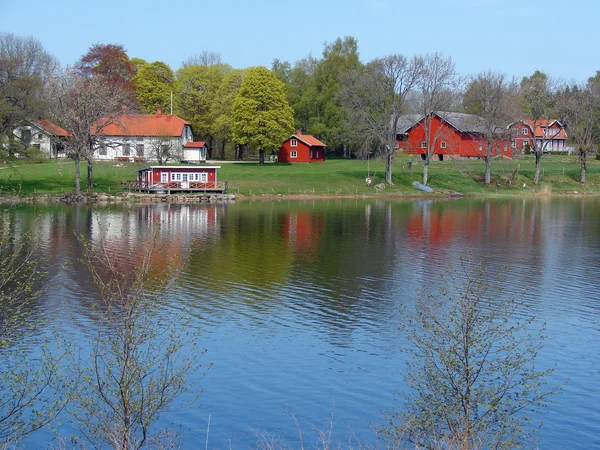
[[388, 167], [261, 157], [223, 142], [538, 157], [90, 174], [583, 165], [426, 171], [488, 162], [77, 174]]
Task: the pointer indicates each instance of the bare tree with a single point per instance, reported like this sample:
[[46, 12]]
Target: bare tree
[[437, 90], [85, 107], [374, 98], [491, 97], [537, 103], [471, 376], [143, 351], [206, 58], [164, 149], [579, 106]]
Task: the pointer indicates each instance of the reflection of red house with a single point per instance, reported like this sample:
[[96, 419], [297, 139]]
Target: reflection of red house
[[454, 134], [302, 229], [549, 135], [302, 148]]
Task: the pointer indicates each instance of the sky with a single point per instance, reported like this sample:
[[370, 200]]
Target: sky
[[515, 37]]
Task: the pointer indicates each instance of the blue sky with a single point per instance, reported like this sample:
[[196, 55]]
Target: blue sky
[[516, 37]]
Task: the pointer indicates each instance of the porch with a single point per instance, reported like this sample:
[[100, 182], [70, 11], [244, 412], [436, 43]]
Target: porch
[[219, 187]]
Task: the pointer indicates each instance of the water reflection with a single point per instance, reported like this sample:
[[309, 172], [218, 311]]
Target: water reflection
[[300, 301]]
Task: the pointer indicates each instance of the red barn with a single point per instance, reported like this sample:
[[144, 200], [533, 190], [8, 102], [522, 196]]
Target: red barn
[[453, 134], [302, 148], [180, 178]]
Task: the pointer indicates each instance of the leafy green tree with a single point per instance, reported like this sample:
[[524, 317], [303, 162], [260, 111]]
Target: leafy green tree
[[471, 376], [302, 93], [154, 83], [222, 108], [261, 115], [196, 88]]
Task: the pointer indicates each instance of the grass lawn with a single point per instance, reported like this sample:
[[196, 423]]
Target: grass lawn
[[333, 177]]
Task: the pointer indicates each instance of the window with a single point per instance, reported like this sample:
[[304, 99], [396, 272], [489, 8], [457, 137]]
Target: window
[[164, 177], [525, 131], [480, 147], [37, 146], [443, 144], [126, 149], [40, 136], [423, 144], [102, 151], [203, 177], [175, 176], [525, 142], [513, 144], [505, 147], [26, 135], [515, 131], [497, 147], [139, 150], [294, 143], [193, 176], [184, 177], [293, 154]]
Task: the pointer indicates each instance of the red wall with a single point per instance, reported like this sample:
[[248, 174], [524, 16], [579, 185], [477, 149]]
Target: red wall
[[461, 144], [303, 152]]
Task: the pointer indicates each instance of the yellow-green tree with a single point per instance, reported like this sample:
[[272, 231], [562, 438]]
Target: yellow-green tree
[[261, 117], [222, 107], [153, 84]]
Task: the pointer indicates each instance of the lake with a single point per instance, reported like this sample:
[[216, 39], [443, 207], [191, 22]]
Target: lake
[[299, 302]]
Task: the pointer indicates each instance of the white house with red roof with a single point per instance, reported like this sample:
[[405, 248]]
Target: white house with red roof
[[302, 148], [44, 135], [143, 136], [549, 135]]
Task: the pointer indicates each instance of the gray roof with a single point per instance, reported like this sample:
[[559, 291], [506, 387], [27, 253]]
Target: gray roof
[[466, 123]]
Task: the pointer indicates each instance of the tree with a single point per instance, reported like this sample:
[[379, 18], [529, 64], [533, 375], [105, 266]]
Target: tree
[[471, 376], [154, 84], [205, 58], [490, 97], [109, 61], [261, 114], [84, 107], [30, 396], [196, 91], [25, 70], [222, 108], [139, 360], [436, 92], [164, 149], [537, 102], [374, 98], [579, 106]]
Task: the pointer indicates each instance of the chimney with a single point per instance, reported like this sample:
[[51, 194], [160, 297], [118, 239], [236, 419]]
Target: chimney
[[124, 109], [158, 110], [298, 131]]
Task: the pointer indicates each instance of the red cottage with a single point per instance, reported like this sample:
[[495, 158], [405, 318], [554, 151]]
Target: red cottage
[[549, 135], [452, 134], [180, 178], [302, 148]]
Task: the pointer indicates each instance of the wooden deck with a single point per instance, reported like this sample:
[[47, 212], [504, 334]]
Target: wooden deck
[[219, 187]]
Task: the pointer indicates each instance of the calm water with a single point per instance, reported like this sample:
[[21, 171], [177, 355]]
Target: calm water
[[299, 302]]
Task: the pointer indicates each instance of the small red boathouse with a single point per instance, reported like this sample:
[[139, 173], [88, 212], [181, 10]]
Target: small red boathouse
[[180, 178]]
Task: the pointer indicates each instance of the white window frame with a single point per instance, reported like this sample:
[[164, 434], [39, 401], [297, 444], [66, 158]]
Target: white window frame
[[480, 147], [423, 144], [513, 144], [294, 143], [525, 131], [203, 177], [164, 177], [175, 176], [293, 154], [443, 144]]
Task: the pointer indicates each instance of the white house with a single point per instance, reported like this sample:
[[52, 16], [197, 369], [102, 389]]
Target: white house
[[142, 136], [194, 152], [45, 135]]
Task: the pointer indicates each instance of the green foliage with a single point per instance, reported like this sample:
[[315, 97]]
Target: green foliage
[[471, 376], [34, 155], [154, 84], [196, 89], [527, 149], [222, 107], [262, 117]]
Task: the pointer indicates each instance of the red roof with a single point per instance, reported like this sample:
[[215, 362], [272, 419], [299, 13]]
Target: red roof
[[144, 125], [557, 130], [308, 140], [198, 144], [52, 128]]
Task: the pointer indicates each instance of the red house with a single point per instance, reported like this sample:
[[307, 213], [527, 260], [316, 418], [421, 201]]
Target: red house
[[548, 135], [302, 148], [180, 178], [452, 134]]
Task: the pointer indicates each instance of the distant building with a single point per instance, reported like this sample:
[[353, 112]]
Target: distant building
[[302, 148], [549, 135], [452, 134], [45, 135], [194, 151]]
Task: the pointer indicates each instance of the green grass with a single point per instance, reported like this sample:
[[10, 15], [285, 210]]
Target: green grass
[[333, 177]]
